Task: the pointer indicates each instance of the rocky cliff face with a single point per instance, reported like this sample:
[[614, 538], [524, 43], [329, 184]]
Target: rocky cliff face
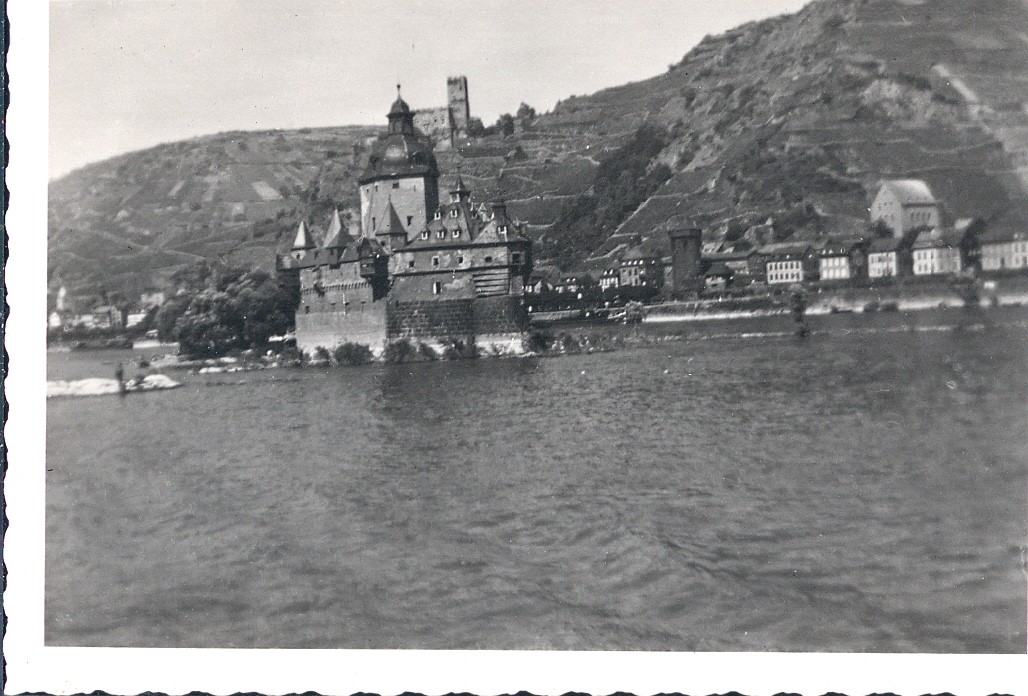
[[791, 120]]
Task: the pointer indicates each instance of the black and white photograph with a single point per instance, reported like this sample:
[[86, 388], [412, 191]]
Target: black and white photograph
[[385, 329]]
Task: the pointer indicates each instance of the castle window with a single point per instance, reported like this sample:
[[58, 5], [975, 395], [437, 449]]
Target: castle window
[[410, 219], [306, 309], [435, 262], [456, 233], [373, 222], [515, 258], [396, 184], [460, 260], [376, 187], [410, 264], [437, 288], [424, 234], [488, 259]]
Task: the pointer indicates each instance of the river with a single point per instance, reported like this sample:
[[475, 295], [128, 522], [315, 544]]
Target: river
[[864, 489]]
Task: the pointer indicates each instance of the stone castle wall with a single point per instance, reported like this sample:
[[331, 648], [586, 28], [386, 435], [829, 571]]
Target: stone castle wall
[[342, 309]]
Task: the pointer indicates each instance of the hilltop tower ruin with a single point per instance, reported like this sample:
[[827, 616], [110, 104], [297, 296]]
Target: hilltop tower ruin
[[457, 100], [443, 124]]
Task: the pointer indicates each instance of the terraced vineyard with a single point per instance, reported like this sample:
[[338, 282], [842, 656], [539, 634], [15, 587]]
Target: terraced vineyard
[[793, 119]]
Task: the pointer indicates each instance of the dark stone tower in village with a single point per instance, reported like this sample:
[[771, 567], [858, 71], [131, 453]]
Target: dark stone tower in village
[[685, 261]]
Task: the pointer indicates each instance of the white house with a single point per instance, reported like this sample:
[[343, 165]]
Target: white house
[[904, 204], [935, 253]]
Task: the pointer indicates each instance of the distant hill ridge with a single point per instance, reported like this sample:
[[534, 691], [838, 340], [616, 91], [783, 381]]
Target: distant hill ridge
[[794, 118]]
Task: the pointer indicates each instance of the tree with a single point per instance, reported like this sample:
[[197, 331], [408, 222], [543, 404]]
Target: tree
[[525, 113], [505, 125], [475, 128], [169, 314]]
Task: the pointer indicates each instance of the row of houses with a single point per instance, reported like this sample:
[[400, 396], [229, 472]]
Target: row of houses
[[103, 316], [908, 237]]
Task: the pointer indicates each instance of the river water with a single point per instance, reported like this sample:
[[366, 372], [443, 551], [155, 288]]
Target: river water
[[865, 489]]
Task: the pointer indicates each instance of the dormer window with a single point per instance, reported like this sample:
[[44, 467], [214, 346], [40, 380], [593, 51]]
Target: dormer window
[[424, 234], [503, 229], [441, 234], [438, 215], [454, 213], [456, 233]]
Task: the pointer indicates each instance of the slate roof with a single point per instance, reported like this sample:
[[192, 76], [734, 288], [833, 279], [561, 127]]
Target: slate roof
[[303, 239], [336, 236], [910, 191]]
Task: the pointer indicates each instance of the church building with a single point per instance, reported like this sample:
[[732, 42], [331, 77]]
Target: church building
[[419, 270]]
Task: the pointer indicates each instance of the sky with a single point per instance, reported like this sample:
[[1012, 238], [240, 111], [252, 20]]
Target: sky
[[129, 74]]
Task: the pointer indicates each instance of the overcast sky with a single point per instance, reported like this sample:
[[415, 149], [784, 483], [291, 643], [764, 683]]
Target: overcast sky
[[128, 74]]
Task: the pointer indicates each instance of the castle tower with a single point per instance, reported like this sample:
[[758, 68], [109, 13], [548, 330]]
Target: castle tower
[[685, 261], [457, 100], [401, 174]]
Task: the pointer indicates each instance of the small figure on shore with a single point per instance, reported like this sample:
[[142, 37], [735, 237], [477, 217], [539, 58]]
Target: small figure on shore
[[119, 374]]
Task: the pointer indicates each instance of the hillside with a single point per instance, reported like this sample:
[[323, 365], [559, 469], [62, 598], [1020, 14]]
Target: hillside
[[793, 119]]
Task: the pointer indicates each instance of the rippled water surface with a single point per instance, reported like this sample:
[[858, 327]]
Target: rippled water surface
[[863, 490]]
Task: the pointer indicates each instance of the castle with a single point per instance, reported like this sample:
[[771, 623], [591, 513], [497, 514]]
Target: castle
[[444, 124], [419, 270]]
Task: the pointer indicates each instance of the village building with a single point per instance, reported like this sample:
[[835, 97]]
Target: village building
[[787, 262], [417, 270], [936, 253], [107, 317], [888, 257], [610, 279], [1004, 245], [641, 266], [1004, 250], [841, 259], [718, 276], [542, 280], [148, 300], [905, 204]]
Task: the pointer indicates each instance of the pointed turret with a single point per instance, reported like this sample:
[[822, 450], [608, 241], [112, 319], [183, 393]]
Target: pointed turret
[[335, 236], [303, 238], [391, 233], [460, 193], [401, 118]]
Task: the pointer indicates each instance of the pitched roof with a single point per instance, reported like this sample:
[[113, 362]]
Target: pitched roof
[[391, 224], [303, 239], [910, 191], [335, 236], [885, 244], [783, 248]]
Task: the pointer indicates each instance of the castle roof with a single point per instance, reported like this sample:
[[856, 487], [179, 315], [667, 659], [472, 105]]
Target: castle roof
[[399, 107], [910, 191], [402, 151], [303, 239], [396, 155], [361, 248], [336, 237]]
